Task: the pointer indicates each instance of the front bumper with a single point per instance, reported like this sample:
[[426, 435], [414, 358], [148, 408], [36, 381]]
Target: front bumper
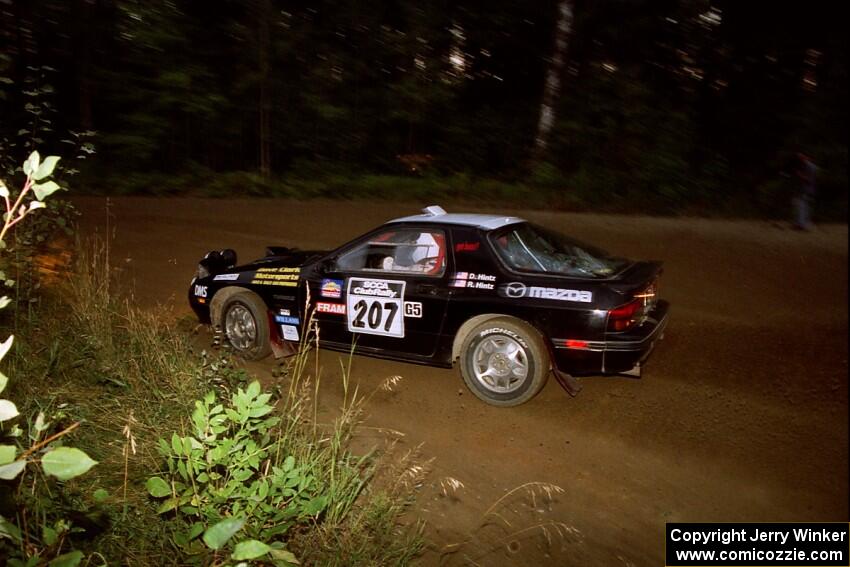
[[200, 305], [619, 352]]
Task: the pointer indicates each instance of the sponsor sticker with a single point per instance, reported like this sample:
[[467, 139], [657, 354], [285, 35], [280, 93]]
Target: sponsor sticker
[[333, 308], [283, 311], [331, 288], [516, 290], [391, 289], [471, 280], [467, 246], [287, 320], [226, 277], [413, 309], [286, 277], [502, 331], [200, 290], [375, 307], [289, 332]]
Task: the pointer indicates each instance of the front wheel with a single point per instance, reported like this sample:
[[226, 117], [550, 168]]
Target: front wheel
[[504, 362], [245, 324]]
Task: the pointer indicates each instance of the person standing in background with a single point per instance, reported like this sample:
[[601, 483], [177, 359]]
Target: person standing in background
[[806, 172]]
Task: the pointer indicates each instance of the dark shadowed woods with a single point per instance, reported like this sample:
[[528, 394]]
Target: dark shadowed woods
[[679, 106]]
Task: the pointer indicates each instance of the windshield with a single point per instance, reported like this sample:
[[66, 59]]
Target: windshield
[[530, 248]]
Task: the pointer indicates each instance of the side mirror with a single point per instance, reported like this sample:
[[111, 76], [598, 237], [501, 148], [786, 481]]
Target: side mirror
[[325, 266]]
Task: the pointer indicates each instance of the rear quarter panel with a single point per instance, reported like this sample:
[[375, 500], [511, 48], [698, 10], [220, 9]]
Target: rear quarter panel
[[479, 286]]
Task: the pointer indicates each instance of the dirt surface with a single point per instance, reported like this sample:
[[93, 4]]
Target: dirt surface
[[741, 415]]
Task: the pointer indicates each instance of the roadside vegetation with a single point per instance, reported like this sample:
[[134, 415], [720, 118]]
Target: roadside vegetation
[[545, 188], [187, 459], [680, 107]]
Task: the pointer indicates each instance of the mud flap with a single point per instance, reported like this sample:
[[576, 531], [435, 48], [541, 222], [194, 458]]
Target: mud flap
[[634, 372], [281, 349], [567, 382]]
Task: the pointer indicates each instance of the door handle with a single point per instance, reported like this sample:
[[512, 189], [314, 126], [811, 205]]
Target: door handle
[[429, 289]]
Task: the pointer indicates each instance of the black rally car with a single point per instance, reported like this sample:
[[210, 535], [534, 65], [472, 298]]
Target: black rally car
[[506, 299]]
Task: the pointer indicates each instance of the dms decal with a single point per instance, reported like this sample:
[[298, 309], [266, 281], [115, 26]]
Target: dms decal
[[332, 308], [200, 291], [471, 280], [331, 288], [226, 277], [515, 290]]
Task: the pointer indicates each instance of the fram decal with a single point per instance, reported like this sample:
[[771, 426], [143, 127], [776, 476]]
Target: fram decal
[[200, 291], [331, 288], [333, 308], [467, 246], [472, 280], [226, 277], [413, 309], [516, 290], [286, 319]]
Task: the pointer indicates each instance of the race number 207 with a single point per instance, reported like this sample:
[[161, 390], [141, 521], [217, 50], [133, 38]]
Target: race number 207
[[374, 307]]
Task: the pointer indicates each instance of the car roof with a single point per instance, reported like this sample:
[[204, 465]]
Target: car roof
[[436, 213]]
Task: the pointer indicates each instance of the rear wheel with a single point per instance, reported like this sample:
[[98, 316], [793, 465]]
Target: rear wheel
[[245, 324], [504, 362]]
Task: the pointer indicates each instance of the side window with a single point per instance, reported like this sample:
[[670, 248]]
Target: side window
[[400, 251], [515, 252]]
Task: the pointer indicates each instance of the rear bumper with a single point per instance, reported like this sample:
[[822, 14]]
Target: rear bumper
[[619, 352]]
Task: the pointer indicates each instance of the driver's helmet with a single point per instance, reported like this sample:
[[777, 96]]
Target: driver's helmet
[[426, 247]]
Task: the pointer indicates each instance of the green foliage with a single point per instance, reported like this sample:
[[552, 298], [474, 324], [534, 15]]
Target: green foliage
[[63, 463], [91, 357], [132, 377], [232, 474], [217, 535], [66, 463]]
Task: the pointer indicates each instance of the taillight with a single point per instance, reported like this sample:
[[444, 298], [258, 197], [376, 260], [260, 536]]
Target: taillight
[[622, 317]]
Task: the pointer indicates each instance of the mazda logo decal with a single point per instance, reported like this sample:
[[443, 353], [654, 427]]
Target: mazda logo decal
[[515, 289]]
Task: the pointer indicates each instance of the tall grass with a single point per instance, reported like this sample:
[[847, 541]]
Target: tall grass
[[131, 377], [368, 494]]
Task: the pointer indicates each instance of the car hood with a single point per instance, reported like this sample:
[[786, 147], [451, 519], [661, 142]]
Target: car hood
[[277, 257]]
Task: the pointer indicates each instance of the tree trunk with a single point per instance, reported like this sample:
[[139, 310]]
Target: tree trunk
[[552, 86], [264, 126], [85, 34]]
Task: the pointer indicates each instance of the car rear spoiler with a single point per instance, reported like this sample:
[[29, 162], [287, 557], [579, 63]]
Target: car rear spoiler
[[636, 277]]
